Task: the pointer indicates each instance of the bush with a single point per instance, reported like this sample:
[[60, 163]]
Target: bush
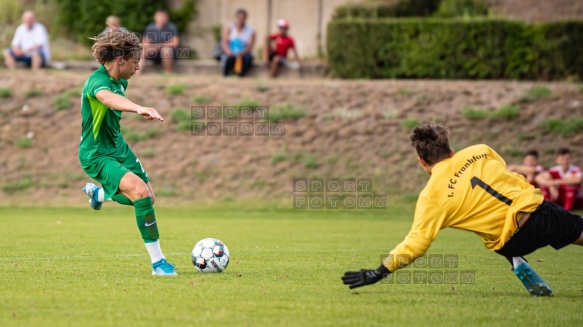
[[81, 19], [482, 48], [410, 124], [176, 89], [134, 136], [248, 103], [262, 88], [202, 99], [311, 162], [23, 142], [20, 185], [475, 114], [180, 114], [382, 9], [536, 93], [148, 153], [73, 92], [506, 113], [462, 8], [62, 102], [31, 93], [5, 93], [190, 125], [284, 112], [565, 128]]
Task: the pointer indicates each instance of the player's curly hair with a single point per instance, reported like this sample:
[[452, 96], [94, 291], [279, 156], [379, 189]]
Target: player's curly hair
[[113, 44], [431, 142]]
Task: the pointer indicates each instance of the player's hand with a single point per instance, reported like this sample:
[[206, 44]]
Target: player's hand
[[149, 113], [364, 277]]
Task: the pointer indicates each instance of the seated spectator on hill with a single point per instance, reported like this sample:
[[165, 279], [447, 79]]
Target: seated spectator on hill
[[160, 42], [237, 42], [530, 167], [30, 44], [562, 181], [113, 23], [276, 57]]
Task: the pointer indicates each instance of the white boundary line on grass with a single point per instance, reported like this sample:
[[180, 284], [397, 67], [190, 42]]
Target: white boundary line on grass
[[84, 256]]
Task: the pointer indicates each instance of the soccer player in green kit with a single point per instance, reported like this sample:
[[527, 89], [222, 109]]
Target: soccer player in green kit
[[103, 153]]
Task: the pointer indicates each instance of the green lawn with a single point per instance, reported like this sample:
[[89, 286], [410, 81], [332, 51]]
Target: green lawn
[[78, 267]]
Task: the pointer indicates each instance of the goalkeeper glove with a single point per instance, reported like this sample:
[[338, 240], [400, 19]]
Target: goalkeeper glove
[[364, 277]]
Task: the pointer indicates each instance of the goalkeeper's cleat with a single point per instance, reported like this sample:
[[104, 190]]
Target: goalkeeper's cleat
[[163, 268], [534, 284], [92, 190]]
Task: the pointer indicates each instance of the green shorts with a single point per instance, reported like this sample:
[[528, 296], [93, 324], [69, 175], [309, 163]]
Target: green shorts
[[108, 171]]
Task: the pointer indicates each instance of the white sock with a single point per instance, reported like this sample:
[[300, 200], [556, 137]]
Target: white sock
[[155, 251], [100, 195], [516, 261]]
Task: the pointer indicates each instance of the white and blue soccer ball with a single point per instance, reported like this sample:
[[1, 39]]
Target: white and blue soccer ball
[[210, 256]]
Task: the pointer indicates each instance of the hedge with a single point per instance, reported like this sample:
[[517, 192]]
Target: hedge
[[454, 49], [81, 19], [382, 9]]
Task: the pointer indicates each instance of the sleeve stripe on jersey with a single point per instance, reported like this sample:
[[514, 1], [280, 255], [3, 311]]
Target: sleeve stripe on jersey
[[102, 88]]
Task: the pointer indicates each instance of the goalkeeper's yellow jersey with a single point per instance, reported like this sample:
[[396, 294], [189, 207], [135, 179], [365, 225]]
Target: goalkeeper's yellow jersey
[[472, 191]]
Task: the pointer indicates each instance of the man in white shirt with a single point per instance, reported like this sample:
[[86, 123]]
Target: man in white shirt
[[30, 44]]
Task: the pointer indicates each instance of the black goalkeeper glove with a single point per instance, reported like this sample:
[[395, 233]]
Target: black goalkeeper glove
[[364, 277]]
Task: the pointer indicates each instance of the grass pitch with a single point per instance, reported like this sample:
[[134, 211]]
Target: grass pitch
[[78, 267]]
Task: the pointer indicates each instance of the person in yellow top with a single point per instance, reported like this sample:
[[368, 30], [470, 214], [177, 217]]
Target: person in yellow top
[[472, 190]]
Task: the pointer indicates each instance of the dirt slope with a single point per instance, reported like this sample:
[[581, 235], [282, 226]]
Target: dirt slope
[[351, 129]]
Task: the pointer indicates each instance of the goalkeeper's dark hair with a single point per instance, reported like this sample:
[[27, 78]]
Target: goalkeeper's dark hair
[[113, 44], [431, 142]]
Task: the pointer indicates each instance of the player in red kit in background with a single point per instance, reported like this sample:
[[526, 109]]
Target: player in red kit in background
[[563, 181], [277, 56], [530, 167]]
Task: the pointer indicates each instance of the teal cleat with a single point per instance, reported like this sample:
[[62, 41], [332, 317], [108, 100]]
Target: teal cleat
[[534, 284], [163, 268], [91, 190]]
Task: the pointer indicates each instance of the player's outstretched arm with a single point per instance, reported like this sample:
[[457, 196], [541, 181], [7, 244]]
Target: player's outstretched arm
[[545, 179], [364, 277], [572, 180], [118, 102], [521, 169]]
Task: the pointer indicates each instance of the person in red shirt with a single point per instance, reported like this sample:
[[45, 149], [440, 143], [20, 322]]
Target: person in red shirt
[[562, 181], [530, 167], [283, 43]]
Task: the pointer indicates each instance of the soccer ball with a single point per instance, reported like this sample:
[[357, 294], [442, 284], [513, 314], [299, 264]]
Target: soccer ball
[[210, 256]]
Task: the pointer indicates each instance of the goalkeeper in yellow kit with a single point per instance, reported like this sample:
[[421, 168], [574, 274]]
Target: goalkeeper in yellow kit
[[472, 190]]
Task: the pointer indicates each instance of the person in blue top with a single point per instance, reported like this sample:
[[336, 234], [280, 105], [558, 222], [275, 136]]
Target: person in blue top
[[237, 43]]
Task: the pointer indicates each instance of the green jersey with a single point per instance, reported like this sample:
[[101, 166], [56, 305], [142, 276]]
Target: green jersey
[[100, 131]]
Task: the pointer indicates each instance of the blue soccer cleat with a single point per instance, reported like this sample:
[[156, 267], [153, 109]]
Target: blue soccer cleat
[[534, 284], [91, 190], [163, 268]]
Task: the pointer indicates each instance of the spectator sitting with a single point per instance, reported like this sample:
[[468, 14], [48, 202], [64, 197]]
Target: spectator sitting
[[113, 23], [283, 42], [160, 42], [562, 181], [30, 44], [237, 42], [530, 167]]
